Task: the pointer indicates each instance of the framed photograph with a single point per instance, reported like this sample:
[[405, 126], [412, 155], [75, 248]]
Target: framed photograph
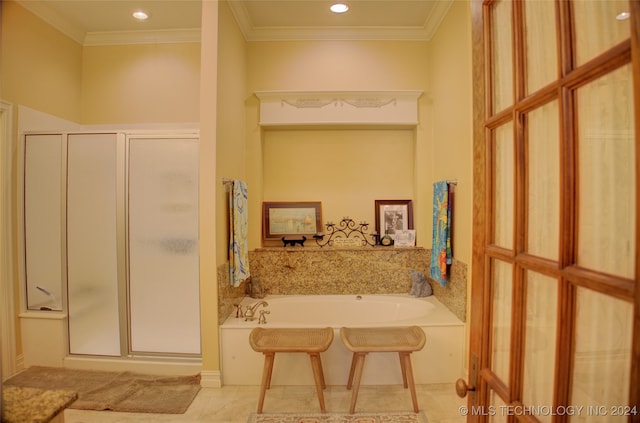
[[405, 238], [291, 219], [393, 216]]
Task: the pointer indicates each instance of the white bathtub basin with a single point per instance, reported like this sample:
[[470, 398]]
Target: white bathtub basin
[[441, 360]]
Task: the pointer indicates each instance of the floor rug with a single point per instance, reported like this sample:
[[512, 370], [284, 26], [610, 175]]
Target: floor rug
[[398, 417], [115, 391]]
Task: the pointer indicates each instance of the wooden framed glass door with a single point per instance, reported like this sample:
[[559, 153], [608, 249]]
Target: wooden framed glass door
[[554, 314]]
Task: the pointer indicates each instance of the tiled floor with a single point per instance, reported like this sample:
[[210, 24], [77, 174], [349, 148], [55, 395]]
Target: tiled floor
[[233, 404]]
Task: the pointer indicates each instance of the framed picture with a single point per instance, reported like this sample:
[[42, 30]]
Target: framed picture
[[405, 238], [291, 219], [393, 216]]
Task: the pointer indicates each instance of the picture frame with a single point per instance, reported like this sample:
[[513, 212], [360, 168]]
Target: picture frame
[[405, 238], [393, 215], [291, 220]]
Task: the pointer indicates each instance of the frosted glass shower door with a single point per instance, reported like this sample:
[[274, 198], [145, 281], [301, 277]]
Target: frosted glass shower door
[[163, 245], [43, 219], [95, 184]]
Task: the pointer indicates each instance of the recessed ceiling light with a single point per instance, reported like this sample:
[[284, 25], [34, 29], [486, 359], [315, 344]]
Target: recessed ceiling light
[[623, 15], [339, 8], [141, 15]]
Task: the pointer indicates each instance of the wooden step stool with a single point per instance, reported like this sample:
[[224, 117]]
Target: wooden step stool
[[361, 341], [312, 341]]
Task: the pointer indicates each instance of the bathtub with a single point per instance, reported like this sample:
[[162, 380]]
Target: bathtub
[[440, 361]]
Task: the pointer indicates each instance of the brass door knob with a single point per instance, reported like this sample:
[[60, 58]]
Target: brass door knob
[[462, 388]]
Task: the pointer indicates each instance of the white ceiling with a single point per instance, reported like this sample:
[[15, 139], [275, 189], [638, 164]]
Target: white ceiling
[[93, 22]]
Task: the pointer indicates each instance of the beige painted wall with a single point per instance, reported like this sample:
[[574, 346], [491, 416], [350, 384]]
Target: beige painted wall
[[146, 83], [39, 67], [43, 69], [222, 155], [231, 141], [451, 156], [345, 169]]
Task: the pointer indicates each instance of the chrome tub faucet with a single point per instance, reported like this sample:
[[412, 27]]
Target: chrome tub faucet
[[250, 313]]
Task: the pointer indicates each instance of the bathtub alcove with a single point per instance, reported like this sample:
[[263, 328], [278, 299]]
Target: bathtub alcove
[[319, 287]]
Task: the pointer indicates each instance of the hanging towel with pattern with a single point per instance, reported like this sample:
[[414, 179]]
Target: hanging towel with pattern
[[441, 245], [238, 232]]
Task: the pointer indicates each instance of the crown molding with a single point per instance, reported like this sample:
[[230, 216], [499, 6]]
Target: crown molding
[[240, 12], [56, 20], [336, 34], [418, 33], [80, 36], [250, 33], [436, 17]]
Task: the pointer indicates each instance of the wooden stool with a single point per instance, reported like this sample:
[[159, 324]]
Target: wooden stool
[[308, 340], [361, 341]]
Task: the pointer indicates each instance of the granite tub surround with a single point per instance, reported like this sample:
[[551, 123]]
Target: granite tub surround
[[324, 271], [454, 294], [22, 405], [339, 271], [227, 294]]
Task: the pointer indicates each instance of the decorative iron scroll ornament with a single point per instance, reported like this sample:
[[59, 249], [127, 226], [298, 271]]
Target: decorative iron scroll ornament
[[347, 229]]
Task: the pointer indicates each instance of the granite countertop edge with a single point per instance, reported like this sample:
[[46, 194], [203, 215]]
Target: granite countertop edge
[[21, 404]]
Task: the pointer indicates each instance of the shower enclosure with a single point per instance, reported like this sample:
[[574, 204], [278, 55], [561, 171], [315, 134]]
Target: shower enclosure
[[111, 243]]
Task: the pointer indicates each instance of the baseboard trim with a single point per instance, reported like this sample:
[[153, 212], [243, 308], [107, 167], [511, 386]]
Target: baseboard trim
[[210, 379]]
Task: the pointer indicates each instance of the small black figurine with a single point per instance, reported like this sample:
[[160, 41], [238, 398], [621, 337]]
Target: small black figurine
[[293, 242]]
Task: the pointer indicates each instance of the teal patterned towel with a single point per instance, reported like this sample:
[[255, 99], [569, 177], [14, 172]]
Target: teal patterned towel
[[238, 243], [441, 246]]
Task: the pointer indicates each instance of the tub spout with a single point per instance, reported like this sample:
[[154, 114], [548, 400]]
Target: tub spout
[[250, 313]]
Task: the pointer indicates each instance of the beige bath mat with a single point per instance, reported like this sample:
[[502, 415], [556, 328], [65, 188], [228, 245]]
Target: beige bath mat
[[115, 391]]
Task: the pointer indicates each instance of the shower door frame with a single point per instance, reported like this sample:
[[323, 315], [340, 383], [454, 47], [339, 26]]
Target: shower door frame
[[7, 269]]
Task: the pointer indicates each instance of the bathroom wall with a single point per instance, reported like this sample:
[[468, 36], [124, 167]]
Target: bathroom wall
[[47, 71], [142, 83], [223, 154], [345, 169], [39, 66], [451, 156], [231, 149]]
